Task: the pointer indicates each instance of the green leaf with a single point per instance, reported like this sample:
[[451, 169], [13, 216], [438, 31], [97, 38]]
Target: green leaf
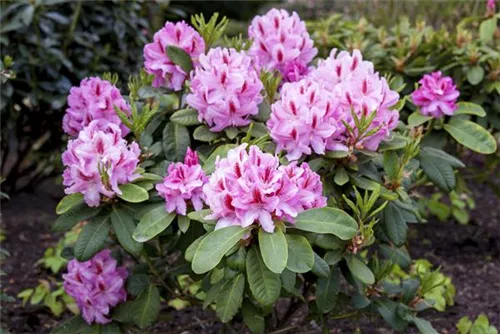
[[467, 108], [230, 297], [424, 326], [124, 226], [439, 171], [464, 325], [440, 154], [68, 202], [73, 216], [300, 254], [203, 133], [111, 328], [253, 318], [328, 221], [471, 135], [212, 294], [394, 224], [320, 267], [175, 142], [395, 143], [475, 75], [327, 289], [360, 270], [416, 119], [388, 310], [191, 250], [334, 257], [180, 57], [185, 117], [341, 176], [92, 238], [153, 223], [199, 216], [391, 164], [73, 325], [221, 152], [124, 312], [274, 249], [137, 283], [183, 222], [337, 154], [214, 246], [133, 193], [487, 29], [264, 284], [147, 307]]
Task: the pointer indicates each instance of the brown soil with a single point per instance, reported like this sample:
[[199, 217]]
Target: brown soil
[[470, 254]]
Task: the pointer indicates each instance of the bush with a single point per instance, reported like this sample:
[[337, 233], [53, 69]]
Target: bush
[[322, 224]]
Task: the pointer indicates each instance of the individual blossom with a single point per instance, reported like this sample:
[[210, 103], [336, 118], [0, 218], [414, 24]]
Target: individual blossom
[[491, 6], [358, 89], [226, 89], [252, 188], [184, 182], [281, 42], [436, 96], [97, 285], [306, 118], [166, 73], [98, 161], [93, 100]]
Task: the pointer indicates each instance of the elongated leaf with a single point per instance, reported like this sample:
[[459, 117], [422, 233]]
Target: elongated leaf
[[327, 289], [183, 222], [92, 238], [467, 108], [180, 57], [72, 325], [440, 154], [388, 310], [487, 29], [214, 246], [221, 152], [147, 307], [230, 297], [199, 216], [300, 254], [394, 224], [175, 142], [360, 270], [203, 133], [439, 171], [153, 223], [73, 216], [137, 283], [253, 318], [475, 75], [424, 326], [416, 119], [212, 294], [274, 249], [68, 202], [327, 220], [320, 267], [133, 193], [391, 164], [395, 143], [264, 284], [185, 117], [471, 135], [124, 226]]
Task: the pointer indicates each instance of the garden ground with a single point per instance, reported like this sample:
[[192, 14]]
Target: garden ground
[[469, 254]]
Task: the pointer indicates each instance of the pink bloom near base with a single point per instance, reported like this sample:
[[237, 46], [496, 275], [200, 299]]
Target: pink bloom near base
[[98, 161], [167, 74], [97, 285], [252, 188], [93, 100], [184, 182], [436, 96]]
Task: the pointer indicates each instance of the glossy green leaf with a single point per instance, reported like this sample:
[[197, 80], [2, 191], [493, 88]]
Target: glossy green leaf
[[487, 29], [185, 117], [133, 193], [394, 224], [253, 318], [274, 249], [183, 222], [264, 284], [175, 141], [416, 119], [467, 108], [471, 135], [199, 216], [74, 324], [360, 270], [327, 289], [203, 133], [300, 254], [440, 154], [320, 267], [475, 75], [214, 246], [137, 283], [328, 221], [124, 226], [68, 202], [153, 223], [179, 57], [73, 216], [439, 171], [92, 237], [147, 307], [230, 297]]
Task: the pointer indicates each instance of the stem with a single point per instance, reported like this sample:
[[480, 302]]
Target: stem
[[72, 28], [284, 330], [345, 315]]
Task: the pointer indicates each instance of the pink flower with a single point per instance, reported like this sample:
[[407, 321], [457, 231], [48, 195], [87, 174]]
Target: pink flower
[[436, 96], [156, 62], [94, 100], [96, 285], [356, 86], [281, 42], [252, 188], [490, 5], [306, 118], [226, 89], [98, 161], [183, 182]]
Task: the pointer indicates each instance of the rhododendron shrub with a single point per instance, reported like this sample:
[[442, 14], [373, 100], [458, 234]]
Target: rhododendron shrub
[[258, 191]]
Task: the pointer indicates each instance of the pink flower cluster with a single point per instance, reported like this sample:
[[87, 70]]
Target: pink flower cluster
[[491, 6], [436, 96], [226, 89], [157, 62], [183, 182], [98, 161], [252, 188], [93, 100], [305, 119], [281, 42], [96, 285]]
